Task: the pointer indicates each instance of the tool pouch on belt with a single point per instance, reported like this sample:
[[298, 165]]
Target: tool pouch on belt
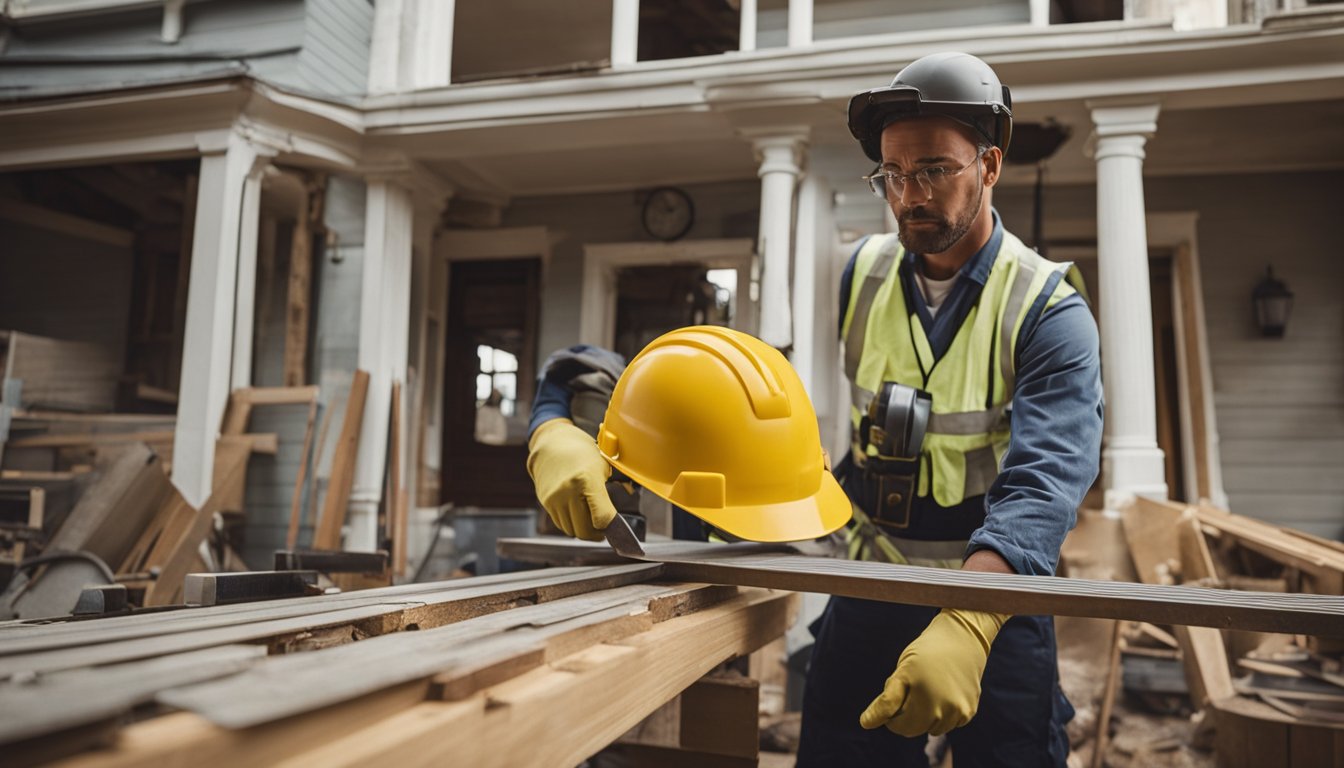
[[886, 490]]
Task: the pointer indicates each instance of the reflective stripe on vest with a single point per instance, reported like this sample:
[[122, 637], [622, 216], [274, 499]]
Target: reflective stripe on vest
[[972, 384]]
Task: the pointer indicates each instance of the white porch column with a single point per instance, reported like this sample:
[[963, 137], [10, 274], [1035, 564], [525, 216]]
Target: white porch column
[[1132, 464], [432, 60], [780, 153], [624, 32], [746, 34], [244, 315], [800, 23], [227, 195], [384, 334]]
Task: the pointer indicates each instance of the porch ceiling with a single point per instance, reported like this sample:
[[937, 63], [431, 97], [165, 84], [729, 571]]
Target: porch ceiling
[[686, 149]]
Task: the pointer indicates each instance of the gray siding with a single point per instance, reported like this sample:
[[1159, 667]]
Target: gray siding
[[320, 46], [335, 55]]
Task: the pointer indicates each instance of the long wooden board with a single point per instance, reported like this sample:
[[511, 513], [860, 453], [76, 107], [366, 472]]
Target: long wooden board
[[28, 636], [131, 637], [937, 587], [55, 702], [283, 686], [516, 723], [328, 533]]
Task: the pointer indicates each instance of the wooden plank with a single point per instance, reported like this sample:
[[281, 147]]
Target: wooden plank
[[287, 395], [66, 224], [248, 699], [328, 534], [26, 637], [1324, 564], [1013, 593], [298, 292], [114, 509], [615, 684], [136, 637], [720, 716], [1203, 650], [1108, 699], [493, 663], [237, 415], [54, 702]]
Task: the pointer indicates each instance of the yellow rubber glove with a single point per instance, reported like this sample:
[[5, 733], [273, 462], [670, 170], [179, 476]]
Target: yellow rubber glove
[[936, 685], [571, 479]]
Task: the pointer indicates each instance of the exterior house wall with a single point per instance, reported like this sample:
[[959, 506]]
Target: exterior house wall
[[1279, 402]]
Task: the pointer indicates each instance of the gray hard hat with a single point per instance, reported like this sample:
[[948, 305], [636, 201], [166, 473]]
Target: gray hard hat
[[955, 85]]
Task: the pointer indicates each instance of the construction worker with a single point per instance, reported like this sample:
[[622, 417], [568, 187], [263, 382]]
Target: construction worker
[[1000, 346]]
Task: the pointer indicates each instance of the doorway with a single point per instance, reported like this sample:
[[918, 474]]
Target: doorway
[[489, 377]]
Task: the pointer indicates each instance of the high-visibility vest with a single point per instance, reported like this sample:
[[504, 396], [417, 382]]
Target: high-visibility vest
[[971, 384]]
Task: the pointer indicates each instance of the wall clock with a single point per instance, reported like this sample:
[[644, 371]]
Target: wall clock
[[668, 213]]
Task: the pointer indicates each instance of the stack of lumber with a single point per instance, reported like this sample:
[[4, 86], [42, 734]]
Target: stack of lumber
[[1284, 709], [533, 668]]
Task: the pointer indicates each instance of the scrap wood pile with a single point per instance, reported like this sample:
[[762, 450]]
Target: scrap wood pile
[[1262, 699], [532, 668], [85, 497]]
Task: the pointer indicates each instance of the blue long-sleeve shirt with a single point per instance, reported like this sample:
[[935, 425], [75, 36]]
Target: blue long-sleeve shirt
[[1054, 451]]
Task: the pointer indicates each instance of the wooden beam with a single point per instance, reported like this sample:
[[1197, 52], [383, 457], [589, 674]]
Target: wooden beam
[[1108, 699], [113, 510], [298, 292], [296, 395], [1225, 609], [328, 534], [54, 647], [74, 226], [61, 700], [617, 684]]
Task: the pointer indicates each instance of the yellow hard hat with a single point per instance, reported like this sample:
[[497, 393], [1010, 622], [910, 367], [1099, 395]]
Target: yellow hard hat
[[718, 423]]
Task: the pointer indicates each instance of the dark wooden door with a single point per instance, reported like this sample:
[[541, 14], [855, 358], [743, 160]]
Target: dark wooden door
[[489, 380]]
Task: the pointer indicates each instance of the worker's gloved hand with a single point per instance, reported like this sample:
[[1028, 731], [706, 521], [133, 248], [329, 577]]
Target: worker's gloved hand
[[936, 685], [571, 479]]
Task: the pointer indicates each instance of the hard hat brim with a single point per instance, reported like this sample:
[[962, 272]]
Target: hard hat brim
[[811, 517]]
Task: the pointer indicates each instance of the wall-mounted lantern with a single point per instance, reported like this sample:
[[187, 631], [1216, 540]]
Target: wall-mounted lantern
[[1273, 303]]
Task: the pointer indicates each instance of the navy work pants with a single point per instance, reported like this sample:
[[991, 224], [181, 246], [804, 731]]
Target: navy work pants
[[1022, 711]]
